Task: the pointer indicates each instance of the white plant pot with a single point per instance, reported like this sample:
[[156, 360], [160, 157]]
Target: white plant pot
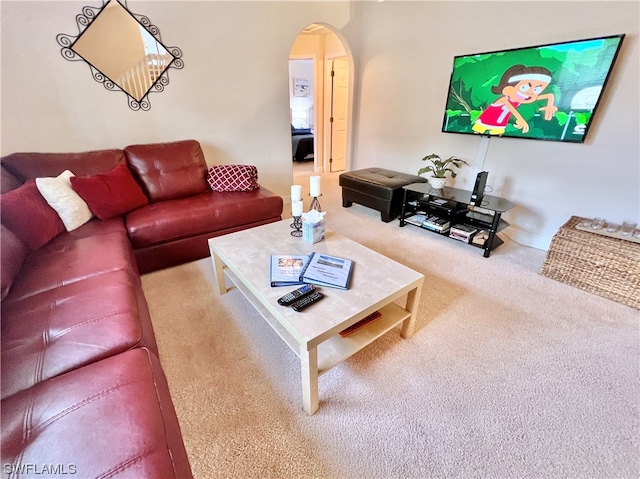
[[437, 183]]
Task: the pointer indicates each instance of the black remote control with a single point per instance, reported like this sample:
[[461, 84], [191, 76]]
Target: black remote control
[[299, 293], [307, 301]]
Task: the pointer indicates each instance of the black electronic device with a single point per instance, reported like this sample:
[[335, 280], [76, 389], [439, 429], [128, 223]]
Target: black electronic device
[[297, 294], [443, 208], [478, 189], [307, 301]]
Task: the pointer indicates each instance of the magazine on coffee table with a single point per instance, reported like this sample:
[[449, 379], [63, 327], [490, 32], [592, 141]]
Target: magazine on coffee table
[[287, 268], [327, 270]]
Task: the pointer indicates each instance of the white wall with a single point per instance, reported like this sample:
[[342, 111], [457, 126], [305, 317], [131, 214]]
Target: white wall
[[233, 93], [404, 57]]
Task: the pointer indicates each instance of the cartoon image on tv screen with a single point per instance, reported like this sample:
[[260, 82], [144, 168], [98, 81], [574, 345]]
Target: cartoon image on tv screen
[[548, 92], [518, 85]]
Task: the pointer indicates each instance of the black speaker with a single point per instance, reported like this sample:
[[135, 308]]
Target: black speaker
[[478, 189]]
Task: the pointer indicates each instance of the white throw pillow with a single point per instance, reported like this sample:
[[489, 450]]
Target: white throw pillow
[[71, 208]]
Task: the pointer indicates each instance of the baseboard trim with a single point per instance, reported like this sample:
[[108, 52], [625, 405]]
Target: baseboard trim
[[527, 239]]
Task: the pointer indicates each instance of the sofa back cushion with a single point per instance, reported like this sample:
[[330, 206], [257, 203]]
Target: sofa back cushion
[[25, 212], [12, 253], [169, 171], [20, 167]]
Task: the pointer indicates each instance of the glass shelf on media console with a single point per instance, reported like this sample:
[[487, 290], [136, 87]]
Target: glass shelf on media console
[[488, 202], [485, 215]]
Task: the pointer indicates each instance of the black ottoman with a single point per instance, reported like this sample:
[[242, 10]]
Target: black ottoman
[[376, 188]]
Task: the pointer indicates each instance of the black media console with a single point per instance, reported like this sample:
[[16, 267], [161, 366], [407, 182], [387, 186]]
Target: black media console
[[452, 212]]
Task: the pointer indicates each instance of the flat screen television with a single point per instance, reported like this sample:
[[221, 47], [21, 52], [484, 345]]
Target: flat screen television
[[543, 92]]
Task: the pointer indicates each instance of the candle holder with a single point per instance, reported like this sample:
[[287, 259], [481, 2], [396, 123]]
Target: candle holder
[[297, 226], [315, 204]]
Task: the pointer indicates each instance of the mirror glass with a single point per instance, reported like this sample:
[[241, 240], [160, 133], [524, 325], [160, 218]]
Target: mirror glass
[[122, 49]]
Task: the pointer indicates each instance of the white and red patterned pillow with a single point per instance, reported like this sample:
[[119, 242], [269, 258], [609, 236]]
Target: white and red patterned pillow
[[233, 178]]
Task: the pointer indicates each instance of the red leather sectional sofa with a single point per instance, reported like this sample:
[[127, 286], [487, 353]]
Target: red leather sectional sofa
[[83, 392]]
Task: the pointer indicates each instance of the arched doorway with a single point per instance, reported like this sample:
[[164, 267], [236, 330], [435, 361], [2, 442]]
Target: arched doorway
[[320, 98]]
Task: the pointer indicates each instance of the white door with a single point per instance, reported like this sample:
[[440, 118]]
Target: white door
[[339, 96]]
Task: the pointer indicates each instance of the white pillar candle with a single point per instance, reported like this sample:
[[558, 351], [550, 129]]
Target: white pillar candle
[[296, 192], [296, 208], [314, 186]]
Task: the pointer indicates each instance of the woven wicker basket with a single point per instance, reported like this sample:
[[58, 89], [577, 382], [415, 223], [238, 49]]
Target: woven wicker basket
[[608, 267]]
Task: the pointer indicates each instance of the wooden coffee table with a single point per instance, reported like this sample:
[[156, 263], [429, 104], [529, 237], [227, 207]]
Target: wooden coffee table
[[378, 284]]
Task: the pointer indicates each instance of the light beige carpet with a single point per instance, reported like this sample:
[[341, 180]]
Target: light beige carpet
[[509, 374]]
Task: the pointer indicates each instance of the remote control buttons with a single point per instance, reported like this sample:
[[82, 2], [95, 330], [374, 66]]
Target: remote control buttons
[[299, 293], [307, 301]]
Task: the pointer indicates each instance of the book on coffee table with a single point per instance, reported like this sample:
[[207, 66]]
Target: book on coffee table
[[327, 270], [360, 324], [287, 268]]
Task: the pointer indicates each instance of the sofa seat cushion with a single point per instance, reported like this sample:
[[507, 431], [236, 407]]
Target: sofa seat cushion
[[113, 418], [62, 329], [208, 212], [67, 259], [168, 171], [97, 227]]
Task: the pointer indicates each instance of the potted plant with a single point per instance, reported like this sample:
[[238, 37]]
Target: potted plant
[[439, 168]]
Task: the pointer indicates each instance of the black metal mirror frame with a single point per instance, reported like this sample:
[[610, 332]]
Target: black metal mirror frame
[[85, 19]]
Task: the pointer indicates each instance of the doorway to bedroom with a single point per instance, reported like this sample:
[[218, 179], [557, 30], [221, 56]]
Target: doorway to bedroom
[[319, 100]]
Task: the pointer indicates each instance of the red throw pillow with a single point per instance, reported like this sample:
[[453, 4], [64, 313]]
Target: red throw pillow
[[110, 194], [233, 178], [25, 212]]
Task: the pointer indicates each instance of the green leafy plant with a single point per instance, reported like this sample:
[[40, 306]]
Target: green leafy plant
[[440, 167]]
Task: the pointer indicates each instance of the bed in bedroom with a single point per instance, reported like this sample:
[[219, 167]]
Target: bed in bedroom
[[301, 143]]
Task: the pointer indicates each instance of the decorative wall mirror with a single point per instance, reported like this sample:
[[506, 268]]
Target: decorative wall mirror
[[123, 50]]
